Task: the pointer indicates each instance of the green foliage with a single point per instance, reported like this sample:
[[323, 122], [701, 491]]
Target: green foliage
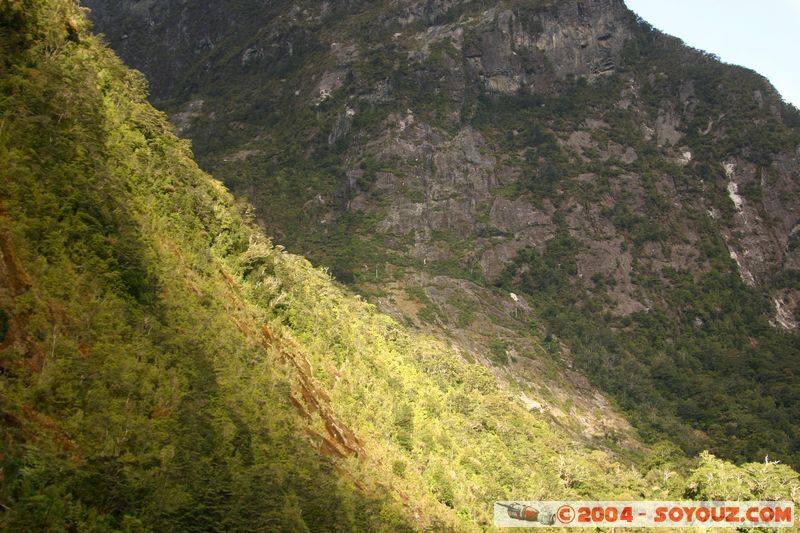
[[688, 376], [404, 420], [399, 468], [549, 272], [137, 419], [640, 228], [157, 407], [718, 385], [714, 479], [430, 313], [465, 307], [498, 349], [292, 515], [144, 393]]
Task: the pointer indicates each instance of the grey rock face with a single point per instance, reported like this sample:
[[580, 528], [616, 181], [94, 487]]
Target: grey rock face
[[530, 50], [444, 188]]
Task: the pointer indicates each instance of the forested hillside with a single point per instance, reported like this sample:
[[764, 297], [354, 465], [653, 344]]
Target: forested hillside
[[164, 367], [640, 197]]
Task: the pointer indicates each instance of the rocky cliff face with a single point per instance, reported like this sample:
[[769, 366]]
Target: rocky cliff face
[[528, 50], [639, 195]]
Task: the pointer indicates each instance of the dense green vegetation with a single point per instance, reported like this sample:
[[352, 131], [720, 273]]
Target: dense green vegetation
[[171, 370], [705, 336], [132, 401], [710, 370], [705, 358]]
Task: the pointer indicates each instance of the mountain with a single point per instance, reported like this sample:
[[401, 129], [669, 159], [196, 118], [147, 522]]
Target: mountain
[[165, 367], [639, 198]]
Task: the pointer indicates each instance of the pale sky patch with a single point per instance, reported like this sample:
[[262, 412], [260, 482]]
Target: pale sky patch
[[762, 35]]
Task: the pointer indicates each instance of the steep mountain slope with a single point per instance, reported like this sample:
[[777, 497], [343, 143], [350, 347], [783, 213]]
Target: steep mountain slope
[[639, 198], [163, 367]]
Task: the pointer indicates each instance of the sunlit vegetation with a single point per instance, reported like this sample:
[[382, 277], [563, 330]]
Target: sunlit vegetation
[[170, 369]]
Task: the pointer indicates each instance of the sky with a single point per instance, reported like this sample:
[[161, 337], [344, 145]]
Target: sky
[[763, 35]]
